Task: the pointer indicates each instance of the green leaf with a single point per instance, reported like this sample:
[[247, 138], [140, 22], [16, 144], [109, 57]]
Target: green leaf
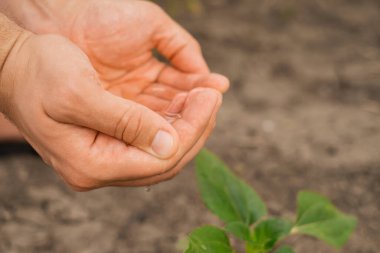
[[239, 229], [267, 233], [307, 199], [285, 249], [182, 243], [318, 217], [226, 195], [208, 239]]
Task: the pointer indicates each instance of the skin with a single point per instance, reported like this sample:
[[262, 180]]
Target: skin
[[8, 130], [92, 104]]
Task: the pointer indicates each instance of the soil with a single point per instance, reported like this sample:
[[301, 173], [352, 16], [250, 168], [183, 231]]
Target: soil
[[303, 112]]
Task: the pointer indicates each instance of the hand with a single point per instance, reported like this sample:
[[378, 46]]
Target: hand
[[91, 137], [118, 37]]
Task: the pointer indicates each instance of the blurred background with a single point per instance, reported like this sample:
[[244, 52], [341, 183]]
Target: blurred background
[[303, 112]]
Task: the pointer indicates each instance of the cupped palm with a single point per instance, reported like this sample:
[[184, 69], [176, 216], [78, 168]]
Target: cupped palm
[[119, 38]]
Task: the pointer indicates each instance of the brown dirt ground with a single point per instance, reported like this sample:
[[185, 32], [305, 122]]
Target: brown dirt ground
[[303, 113]]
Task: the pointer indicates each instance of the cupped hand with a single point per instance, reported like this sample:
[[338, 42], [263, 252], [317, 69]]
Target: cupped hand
[[119, 38], [92, 137], [153, 120]]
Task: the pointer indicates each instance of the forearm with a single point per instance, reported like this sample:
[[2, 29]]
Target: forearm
[[42, 16], [11, 35]]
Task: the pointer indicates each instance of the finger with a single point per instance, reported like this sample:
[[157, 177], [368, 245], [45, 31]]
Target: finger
[[186, 82], [173, 111], [130, 163], [178, 167], [180, 48], [152, 102], [123, 119], [162, 91]]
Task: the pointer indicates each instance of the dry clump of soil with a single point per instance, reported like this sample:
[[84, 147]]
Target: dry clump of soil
[[303, 113]]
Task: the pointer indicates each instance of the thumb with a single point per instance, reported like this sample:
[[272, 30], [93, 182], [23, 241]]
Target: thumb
[[126, 120]]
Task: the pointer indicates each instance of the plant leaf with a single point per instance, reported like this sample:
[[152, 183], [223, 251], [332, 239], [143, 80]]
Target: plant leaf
[[318, 217], [307, 199], [208, 239], [182, 243], [239, 229], [285, 249], [266, 233], [224, 194]]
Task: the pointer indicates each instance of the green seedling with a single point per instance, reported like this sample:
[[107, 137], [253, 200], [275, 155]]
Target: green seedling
[[245, 215]]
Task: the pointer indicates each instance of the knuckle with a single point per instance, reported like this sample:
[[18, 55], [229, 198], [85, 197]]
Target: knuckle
[[130, 125]]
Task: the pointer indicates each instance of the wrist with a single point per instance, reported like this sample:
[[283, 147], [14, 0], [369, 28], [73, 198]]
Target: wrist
[[44, 16], [12, 38]]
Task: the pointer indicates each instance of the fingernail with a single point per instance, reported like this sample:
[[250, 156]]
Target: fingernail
[[163, 144]]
